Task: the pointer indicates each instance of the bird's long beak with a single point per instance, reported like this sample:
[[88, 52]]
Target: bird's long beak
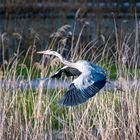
[[43, 52]]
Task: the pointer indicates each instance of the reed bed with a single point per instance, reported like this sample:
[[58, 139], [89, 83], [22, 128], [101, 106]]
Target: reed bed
[[110, 115]]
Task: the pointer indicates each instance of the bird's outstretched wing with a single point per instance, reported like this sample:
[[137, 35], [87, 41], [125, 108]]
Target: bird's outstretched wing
[[67, 70], [78, 95]]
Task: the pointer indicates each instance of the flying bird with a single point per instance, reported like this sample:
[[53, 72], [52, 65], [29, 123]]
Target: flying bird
[[91, 78]]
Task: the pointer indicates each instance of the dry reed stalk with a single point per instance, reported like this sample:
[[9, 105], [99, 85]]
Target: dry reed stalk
[[1, 112], [110, 114]]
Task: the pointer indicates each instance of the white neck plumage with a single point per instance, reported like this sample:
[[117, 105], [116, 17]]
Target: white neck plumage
[[63, 60]]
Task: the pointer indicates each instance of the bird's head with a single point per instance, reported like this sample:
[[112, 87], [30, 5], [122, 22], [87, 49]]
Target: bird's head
[[54, 53]]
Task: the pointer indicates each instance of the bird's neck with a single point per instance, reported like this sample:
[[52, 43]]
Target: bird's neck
[[64, 61], [69, 64]]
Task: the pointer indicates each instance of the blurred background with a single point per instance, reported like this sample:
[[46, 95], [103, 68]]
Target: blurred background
[[35, 20]]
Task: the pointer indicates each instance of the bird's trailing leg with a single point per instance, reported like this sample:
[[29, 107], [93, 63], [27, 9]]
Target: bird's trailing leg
[[114, 85]]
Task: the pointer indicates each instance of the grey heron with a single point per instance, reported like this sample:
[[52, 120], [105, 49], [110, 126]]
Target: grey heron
[[91, 78]]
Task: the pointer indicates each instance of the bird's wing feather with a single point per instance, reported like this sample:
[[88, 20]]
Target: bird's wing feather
[[57, 74], [78, 95], [72, 97], [71, 71], [67, 70]]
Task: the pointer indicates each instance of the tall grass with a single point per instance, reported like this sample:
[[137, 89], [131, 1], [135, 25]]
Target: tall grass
[[110, 115]]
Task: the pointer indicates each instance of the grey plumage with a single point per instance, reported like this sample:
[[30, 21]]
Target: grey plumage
[[91, 78]]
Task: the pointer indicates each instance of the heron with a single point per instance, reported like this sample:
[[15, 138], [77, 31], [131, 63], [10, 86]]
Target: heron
[[90, 79]]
